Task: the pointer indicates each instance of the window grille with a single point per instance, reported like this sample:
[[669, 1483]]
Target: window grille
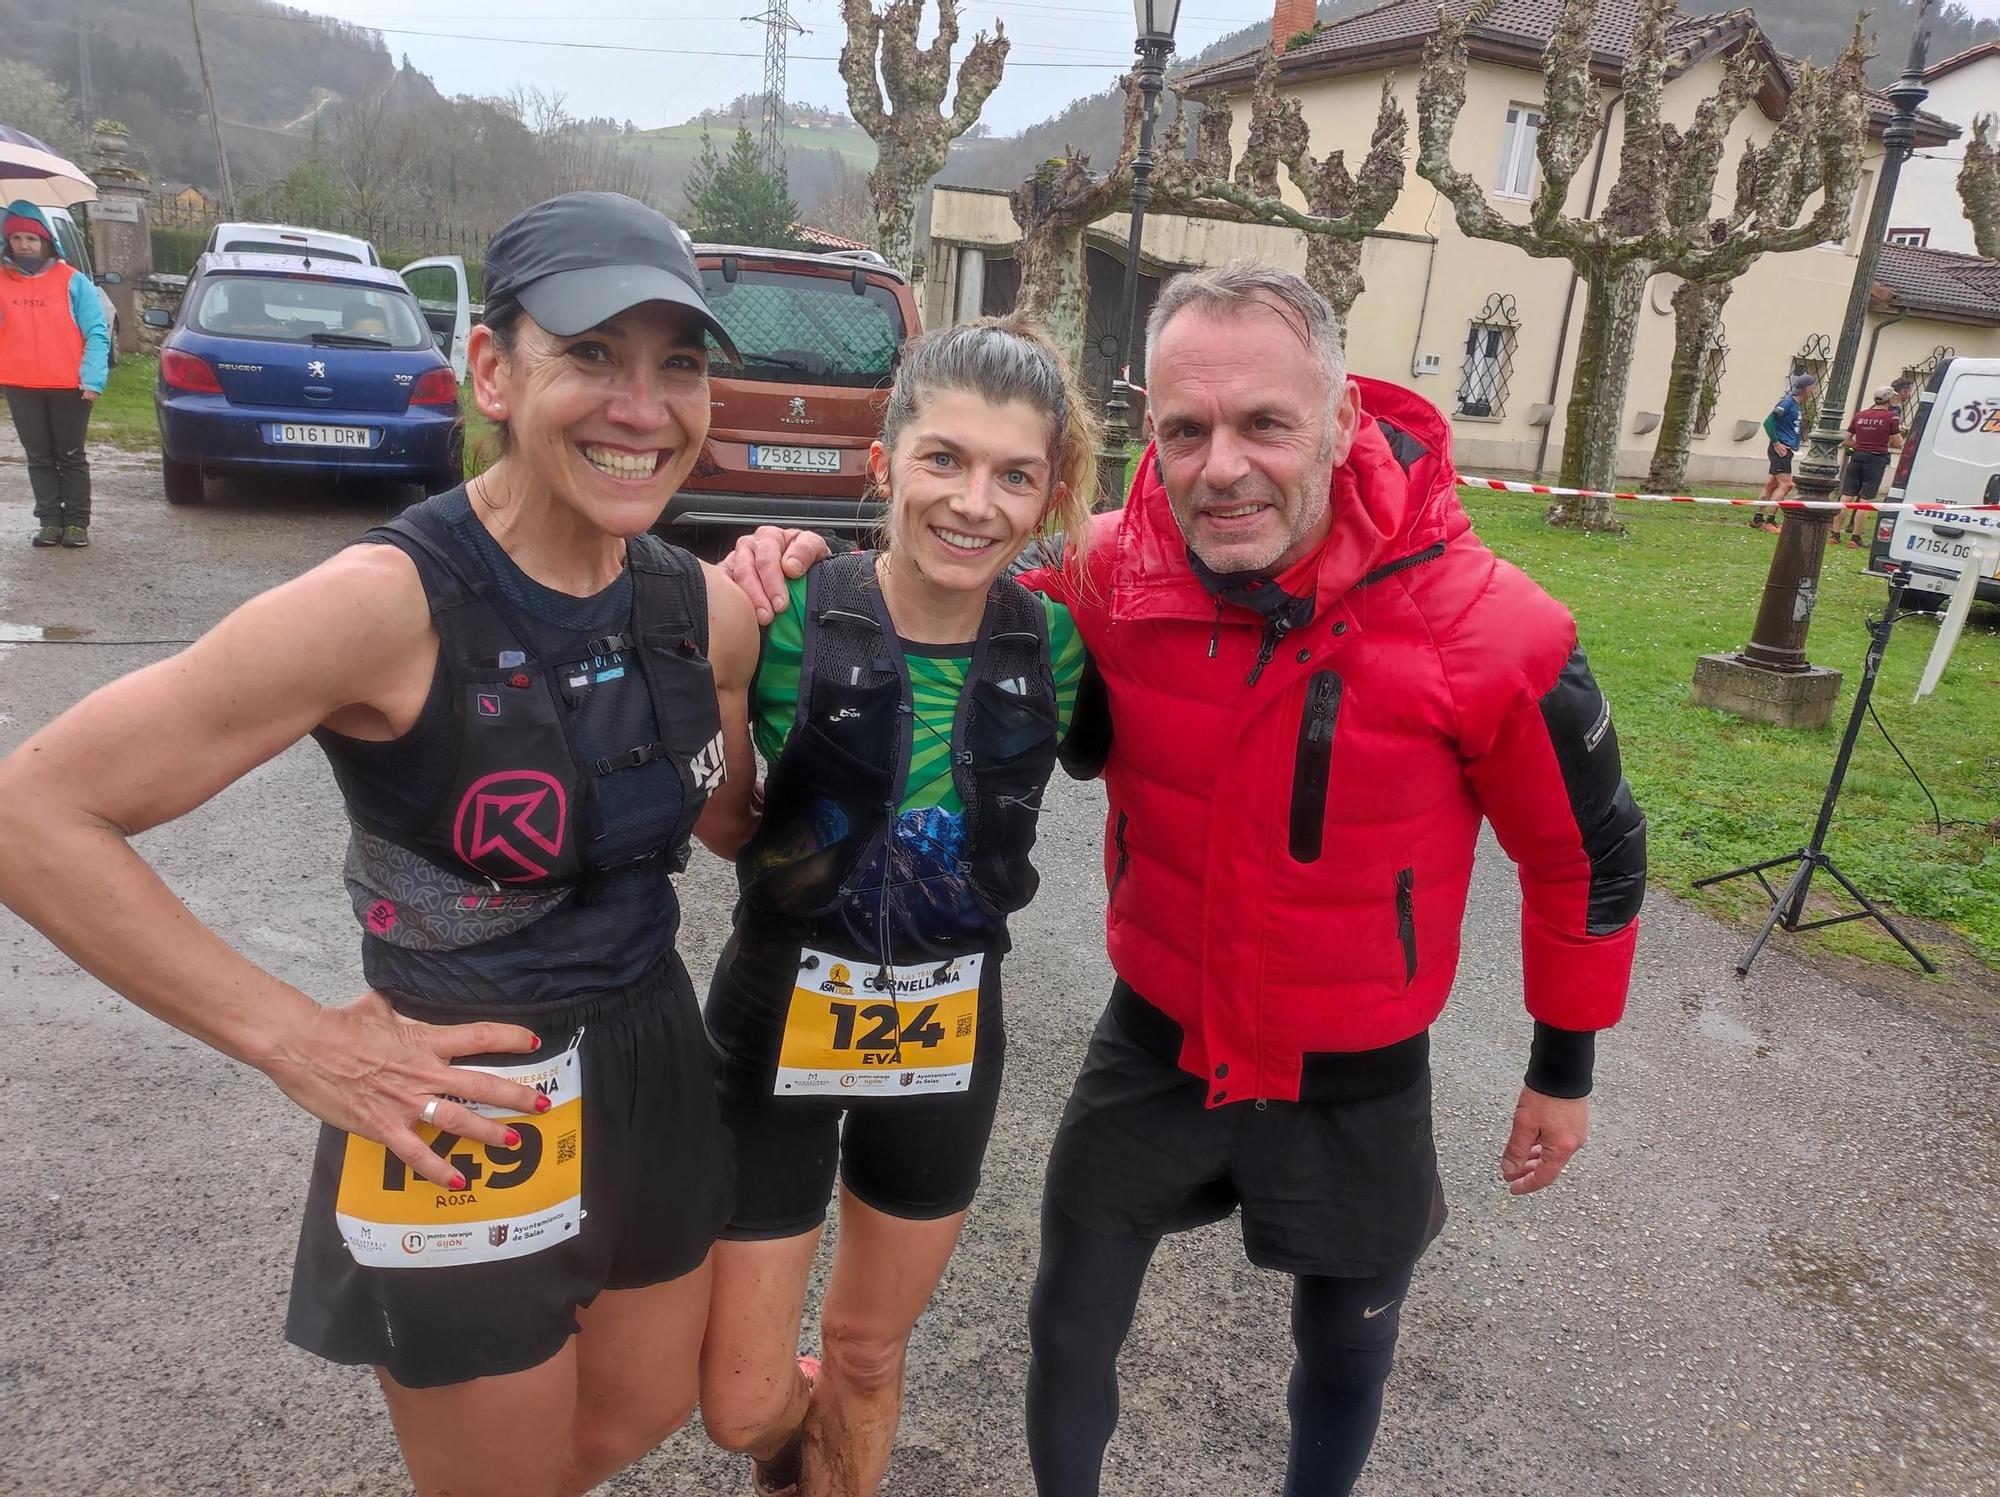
[[1714, 363], [1489, 359], [1920, 375], [1815, 357]]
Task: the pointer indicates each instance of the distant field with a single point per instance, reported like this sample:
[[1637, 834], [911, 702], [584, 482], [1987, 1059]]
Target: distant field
[[685, 140]]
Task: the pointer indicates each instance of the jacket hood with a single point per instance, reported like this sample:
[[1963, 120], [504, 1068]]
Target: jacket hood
[[1394, 496], [22, 208]]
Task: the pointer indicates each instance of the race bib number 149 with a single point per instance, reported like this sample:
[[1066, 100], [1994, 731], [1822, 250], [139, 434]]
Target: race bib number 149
[[516, 1200]]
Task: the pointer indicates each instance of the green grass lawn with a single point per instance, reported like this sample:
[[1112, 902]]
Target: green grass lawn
[[1719, 792], [123, 414]]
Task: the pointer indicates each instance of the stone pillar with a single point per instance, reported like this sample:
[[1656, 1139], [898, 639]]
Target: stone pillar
[[121, 231]]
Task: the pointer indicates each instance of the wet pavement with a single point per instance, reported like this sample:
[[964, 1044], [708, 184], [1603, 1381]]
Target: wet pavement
[[1773, 1270]]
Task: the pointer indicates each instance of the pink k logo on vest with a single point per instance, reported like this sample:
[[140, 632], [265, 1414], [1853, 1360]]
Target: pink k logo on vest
[[510, 825]]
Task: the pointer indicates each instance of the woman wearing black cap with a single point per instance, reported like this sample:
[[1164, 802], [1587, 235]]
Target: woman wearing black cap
[[526, 700]]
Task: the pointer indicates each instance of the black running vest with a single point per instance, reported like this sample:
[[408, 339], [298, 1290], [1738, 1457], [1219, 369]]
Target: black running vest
[[831, 799], [519, 815]]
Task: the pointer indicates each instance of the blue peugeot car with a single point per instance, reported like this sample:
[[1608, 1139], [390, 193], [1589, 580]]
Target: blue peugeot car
[[284, 366]]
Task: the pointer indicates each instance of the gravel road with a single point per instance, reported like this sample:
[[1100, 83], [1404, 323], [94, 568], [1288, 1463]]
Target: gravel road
[[1772, 1271]]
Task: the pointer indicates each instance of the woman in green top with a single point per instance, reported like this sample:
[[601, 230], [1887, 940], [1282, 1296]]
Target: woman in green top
[[911, 702]]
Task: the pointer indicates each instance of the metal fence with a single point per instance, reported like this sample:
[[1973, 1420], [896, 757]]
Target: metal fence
[[392, 234]]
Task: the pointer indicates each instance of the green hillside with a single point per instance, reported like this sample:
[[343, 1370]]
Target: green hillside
[[851, 142]]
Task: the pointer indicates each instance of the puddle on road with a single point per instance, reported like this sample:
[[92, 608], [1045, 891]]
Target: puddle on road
[[19, 634]]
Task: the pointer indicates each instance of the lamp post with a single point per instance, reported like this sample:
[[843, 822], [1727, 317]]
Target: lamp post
[[1155, 44], [1777, 647]]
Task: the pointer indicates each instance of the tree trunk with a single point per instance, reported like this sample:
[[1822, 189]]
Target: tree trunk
[[895, 195], [1333, 269], [1055, 286], [1613, 301], [1697, 315]]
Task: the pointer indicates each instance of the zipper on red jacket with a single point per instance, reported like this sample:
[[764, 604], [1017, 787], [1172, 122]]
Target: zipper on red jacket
[[1406, 921], [1124, 859], [1312, 765]]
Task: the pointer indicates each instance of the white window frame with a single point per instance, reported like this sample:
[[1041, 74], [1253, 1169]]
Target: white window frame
[[1517, 152], [1910, 238]]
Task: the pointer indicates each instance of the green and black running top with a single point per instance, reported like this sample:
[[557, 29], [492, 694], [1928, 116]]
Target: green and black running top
[[900, 810]]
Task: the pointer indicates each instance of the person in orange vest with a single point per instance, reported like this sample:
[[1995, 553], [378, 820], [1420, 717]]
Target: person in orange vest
[[55, 351]]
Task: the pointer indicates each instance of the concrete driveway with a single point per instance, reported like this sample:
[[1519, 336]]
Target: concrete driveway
[[1772, 1271]]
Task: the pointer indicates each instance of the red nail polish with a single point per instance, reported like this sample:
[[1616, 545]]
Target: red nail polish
[[541, 1102], [534, 1042], [513, 1139], [458, 1182]]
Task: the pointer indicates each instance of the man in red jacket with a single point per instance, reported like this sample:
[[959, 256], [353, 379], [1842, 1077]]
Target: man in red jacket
[[1318, 682]]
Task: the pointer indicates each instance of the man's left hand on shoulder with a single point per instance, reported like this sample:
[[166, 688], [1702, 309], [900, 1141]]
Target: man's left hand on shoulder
[[1547, 1132]]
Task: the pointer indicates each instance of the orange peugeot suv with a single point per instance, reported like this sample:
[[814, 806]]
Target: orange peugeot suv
[[820, 335]]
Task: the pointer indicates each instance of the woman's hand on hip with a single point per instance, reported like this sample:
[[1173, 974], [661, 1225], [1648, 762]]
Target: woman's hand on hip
[[365, 1069]]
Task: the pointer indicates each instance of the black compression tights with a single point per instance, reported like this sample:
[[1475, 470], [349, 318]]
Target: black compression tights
[[1085, 1293]]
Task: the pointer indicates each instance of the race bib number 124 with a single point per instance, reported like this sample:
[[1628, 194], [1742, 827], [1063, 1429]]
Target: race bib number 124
[[859, 1030]]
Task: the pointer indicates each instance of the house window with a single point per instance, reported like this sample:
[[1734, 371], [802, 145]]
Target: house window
[[1714, 361], [1489, 359], [1914, 238], [1517, 151]]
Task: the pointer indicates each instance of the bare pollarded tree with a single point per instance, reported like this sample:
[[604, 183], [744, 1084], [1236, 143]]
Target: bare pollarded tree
[[1656, 216], [1979, 185], [1063, 197], [912, 130]]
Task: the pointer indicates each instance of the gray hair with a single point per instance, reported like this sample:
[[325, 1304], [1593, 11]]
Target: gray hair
[[1243, 283]]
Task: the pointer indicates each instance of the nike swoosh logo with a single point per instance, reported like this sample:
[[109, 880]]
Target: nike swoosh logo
[[1368, 1314]]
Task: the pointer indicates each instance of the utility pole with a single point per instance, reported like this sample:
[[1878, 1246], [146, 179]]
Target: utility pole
[[214, 119], [779, 29]]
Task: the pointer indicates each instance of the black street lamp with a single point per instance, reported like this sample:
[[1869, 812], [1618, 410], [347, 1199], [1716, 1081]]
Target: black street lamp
[[1155, 20], [1777, 646]]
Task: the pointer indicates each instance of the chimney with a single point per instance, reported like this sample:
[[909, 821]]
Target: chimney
[[1289, 18]]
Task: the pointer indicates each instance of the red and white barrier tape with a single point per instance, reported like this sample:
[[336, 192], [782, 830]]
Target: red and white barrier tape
[[1509, 486]]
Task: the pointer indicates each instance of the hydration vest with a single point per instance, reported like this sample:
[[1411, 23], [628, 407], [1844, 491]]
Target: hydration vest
[[832, 798], [521, 809]]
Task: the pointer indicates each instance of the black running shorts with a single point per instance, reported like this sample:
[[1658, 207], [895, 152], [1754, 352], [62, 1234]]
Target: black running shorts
[[656, 1180], [1781, 462], [1346, 1188], [1863, 478], [917, 1157]]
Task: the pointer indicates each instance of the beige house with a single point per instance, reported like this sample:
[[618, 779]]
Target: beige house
[[1489, 333]]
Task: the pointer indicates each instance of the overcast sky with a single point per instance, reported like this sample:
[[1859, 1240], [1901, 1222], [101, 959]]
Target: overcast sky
[[595, 51]]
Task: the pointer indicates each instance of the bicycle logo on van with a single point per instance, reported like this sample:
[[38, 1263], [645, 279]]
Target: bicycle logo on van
[[1977, 415]]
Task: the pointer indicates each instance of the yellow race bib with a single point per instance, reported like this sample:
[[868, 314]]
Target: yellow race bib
[[516, 1201], [853, 1030]]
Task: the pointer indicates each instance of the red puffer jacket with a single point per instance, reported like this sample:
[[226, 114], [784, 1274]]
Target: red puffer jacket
[[1288, 849]]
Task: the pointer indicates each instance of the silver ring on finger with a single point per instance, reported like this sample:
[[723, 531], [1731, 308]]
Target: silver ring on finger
[[430, 1112]]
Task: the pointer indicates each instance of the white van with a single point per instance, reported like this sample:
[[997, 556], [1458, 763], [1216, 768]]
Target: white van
[[1952, 457], [287, 239]]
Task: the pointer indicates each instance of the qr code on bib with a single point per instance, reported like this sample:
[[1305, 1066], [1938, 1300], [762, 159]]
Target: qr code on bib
[[566, 1147]]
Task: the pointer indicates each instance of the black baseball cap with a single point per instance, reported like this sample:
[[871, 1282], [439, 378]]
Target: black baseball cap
[[578, 259]]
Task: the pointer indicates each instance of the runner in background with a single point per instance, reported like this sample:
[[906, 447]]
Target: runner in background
[[1781, 434], [1871, 436], [911, 702], [526, 700]]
